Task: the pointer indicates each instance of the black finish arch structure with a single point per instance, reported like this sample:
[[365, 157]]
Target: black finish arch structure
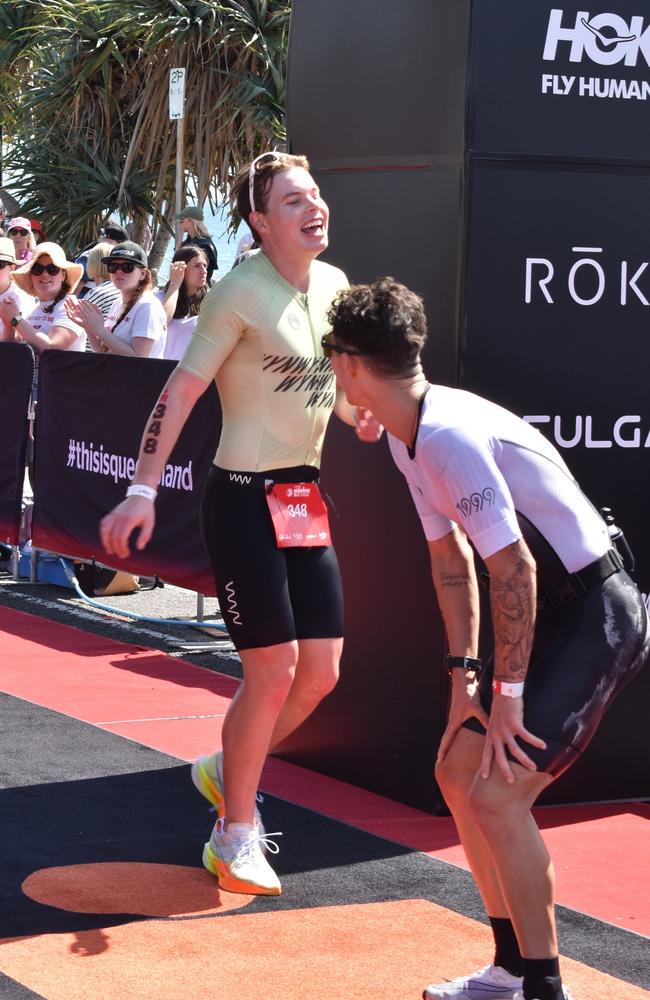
[[495, 157]]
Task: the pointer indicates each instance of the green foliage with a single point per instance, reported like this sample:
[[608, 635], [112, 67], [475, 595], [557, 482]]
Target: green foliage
[[84, 86]]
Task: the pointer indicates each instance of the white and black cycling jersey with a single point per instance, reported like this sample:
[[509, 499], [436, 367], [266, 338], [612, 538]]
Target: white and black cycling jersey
[[478, 465]]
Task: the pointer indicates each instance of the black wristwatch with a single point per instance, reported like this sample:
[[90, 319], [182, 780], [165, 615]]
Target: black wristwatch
[[15, 320], [464, 663]]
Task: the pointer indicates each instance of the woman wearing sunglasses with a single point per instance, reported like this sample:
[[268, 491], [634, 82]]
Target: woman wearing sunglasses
[[259, 336], [48, 279], [136, 325], [182, 297], [20, 231]]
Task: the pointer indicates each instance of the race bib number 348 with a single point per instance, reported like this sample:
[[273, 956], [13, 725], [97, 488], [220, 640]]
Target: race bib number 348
[[299, 514]]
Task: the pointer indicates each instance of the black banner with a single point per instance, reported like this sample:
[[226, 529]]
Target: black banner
[[557, 314], [557, 318], [91, 413], [16, 366], [560, 78]]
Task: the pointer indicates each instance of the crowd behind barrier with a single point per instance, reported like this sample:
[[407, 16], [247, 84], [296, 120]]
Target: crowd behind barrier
[[89, 419]]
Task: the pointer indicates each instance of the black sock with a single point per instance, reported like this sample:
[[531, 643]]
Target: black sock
[[506, 946], [542, 980]]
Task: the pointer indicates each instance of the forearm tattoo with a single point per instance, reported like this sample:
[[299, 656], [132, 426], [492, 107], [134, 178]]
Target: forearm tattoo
[[512, 597], [454, 580], [153, 430]]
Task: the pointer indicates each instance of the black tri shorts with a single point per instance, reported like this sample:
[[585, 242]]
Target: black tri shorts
[[267, 595], [583, 655]]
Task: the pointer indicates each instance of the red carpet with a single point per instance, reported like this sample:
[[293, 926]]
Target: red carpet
[[387, 950], [176, 707]]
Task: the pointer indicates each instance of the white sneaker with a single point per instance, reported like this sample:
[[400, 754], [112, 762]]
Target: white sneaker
[[207, 775], [565, 990], [490, 983], [235, 857]]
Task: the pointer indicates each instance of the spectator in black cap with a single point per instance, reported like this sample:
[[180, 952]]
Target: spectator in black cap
[[196, 232], [136, 325]]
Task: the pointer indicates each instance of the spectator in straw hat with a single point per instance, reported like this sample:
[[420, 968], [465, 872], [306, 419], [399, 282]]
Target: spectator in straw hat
[[50, 278]]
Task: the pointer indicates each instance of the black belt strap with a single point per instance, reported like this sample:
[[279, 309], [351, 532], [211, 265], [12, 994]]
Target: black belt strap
[[576, 584]]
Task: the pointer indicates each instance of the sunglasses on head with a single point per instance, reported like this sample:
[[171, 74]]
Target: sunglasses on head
[[18, 232], [329, 348], [126, 266], [256, 167], [50, 268], [5, 263]]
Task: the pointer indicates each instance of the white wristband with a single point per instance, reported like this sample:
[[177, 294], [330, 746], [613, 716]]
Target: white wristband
[[141, 490], [509, 690]]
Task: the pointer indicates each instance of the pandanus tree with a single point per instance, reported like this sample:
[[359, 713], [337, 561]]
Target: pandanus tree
[[85, 114]]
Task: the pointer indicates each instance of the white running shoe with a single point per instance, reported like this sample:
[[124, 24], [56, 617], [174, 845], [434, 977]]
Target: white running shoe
[[490, 983], [236, 858], [565, 990], [207, 775]]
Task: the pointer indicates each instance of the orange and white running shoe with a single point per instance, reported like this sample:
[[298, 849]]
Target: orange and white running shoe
[[234, 854]]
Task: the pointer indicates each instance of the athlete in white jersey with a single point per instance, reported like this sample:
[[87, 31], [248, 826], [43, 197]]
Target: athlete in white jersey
[[570, 627], [258, 334]]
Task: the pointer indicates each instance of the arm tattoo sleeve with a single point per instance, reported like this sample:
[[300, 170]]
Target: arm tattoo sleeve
[[513, 601]]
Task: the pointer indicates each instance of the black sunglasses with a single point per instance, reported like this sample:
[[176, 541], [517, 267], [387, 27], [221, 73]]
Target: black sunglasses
[[329, 348], [5, 263], [50, 268], [126, 266], [18, 232]]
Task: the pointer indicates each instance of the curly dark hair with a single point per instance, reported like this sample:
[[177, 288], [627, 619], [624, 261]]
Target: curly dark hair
[[384, 321], [262, 184]]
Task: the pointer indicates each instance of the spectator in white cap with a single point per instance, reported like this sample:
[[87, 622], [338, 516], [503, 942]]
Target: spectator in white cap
[[50, 278], [20, 231], [9, 290], [136, 325], [193, 225]]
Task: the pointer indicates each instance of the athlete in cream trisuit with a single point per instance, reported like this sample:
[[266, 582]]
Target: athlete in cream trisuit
[[258, 335], [570, 627]]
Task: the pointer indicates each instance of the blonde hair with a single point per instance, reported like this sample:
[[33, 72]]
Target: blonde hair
[[95, 267]]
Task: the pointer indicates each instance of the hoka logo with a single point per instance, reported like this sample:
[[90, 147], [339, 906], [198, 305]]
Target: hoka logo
[[605, 39], [236, 477], [232, 603]]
